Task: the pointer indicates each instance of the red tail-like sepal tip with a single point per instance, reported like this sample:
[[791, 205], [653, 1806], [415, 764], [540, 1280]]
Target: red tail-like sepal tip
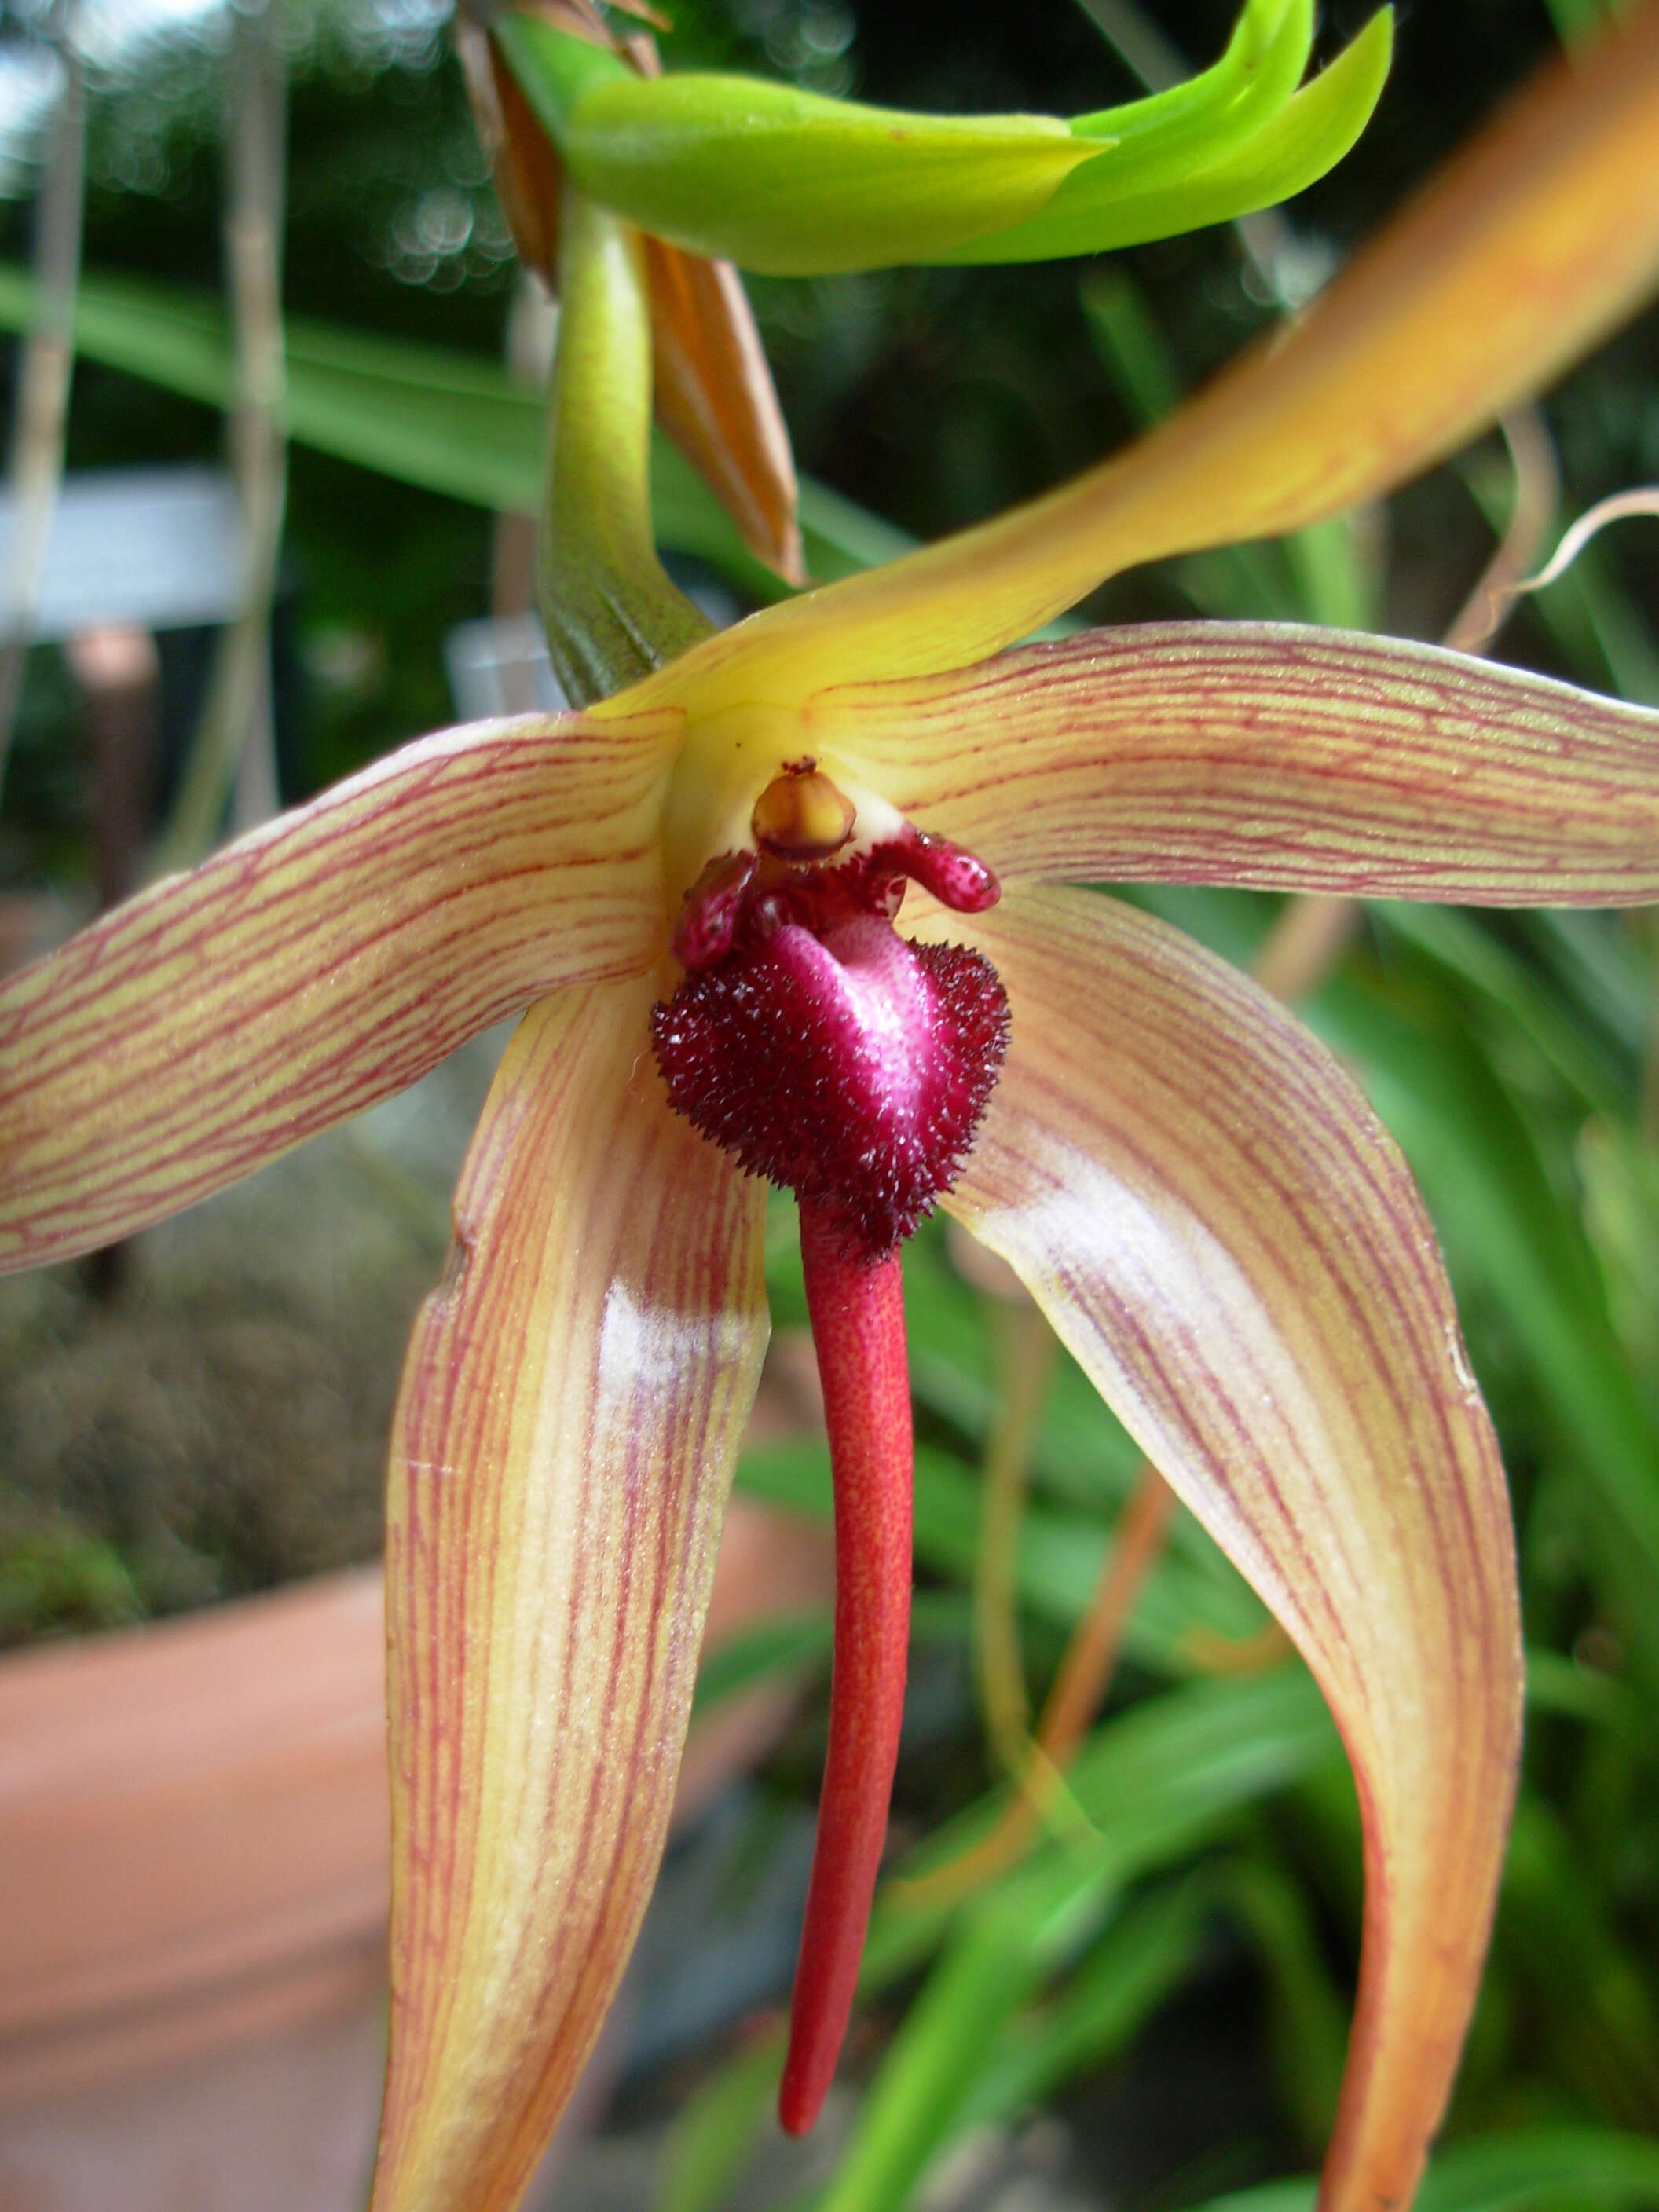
[[857, 1311]]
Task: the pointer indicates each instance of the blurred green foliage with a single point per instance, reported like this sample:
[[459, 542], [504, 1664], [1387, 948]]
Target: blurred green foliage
[[59, 1579]]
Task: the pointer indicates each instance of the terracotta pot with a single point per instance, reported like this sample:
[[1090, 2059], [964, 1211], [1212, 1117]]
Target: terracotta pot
[[193, 1890]]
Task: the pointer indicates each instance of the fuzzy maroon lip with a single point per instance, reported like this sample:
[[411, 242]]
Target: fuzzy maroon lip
[[820, 1048]]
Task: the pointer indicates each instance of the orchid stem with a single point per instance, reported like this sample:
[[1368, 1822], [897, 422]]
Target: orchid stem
[[857, 1312], [610, 611]]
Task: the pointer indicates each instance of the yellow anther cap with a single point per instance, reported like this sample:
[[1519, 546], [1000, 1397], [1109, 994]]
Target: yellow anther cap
[[802, 815]]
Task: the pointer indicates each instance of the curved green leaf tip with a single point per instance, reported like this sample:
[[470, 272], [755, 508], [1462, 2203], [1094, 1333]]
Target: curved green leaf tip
[[791, 184]]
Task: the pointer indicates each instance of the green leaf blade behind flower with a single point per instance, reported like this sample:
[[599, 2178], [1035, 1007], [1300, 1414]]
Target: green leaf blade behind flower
[[1270, 754], [570, 1412], [317, 964], [438, 417], [1004, 1945], [1532, 2170], [444, 419], [1060, 1560], [1225, 1238], [1159, 1781], [791, 184]]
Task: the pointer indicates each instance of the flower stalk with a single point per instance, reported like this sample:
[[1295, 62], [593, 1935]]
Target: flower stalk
[[610, 611]]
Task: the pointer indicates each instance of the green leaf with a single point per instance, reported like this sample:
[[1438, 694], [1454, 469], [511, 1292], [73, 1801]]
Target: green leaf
[[1308, 2025], [1595, 958], [715, 2129], [1132, 347], [1103, 2003], [443, 419], [1460, 947], [1562, 1686], [1004, 1945], [786, 182], [1556, 1936], [794, 1643], [1502, 1227], [1158, 1781], [1577, 21], [1535, 2170], [1061, 1555], [1307, 136], [789, 1644]]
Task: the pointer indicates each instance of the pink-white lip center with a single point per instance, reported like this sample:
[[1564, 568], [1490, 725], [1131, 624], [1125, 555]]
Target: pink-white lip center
[[872, 997]]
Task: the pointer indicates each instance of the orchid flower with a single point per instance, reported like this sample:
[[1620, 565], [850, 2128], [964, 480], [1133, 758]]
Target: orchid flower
[[692, 886]]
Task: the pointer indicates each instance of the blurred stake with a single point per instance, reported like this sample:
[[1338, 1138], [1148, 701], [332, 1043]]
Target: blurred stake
[[119, 673], [1308, 939], [1075, 1698], [46, 364], [1090, 1661], [532, 327], [233, 750]]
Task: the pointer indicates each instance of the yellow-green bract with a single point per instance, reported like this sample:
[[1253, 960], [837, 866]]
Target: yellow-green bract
[[791, 184]]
